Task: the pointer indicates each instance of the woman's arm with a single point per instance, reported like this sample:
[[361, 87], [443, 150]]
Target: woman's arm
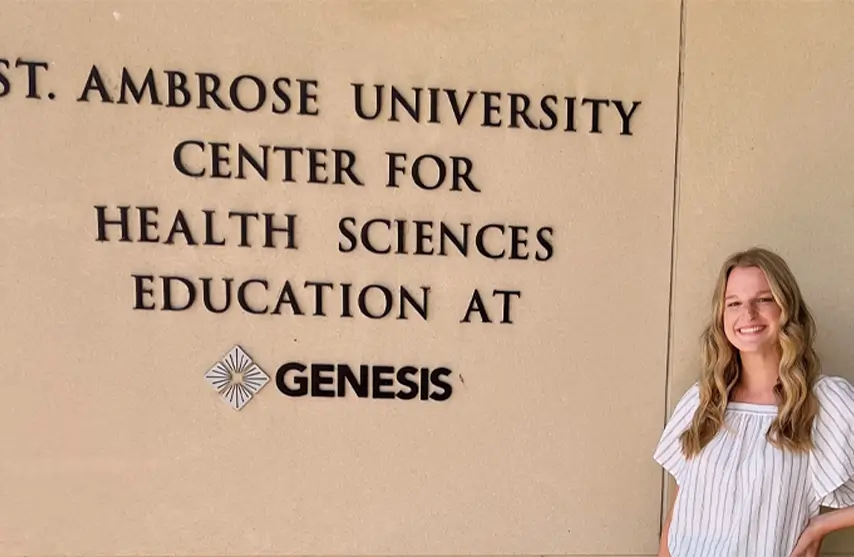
[[819, 527], [663, 550], [832, 521]]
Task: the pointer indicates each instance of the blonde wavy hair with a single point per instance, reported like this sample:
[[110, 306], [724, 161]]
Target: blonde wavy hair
[[721, 363]]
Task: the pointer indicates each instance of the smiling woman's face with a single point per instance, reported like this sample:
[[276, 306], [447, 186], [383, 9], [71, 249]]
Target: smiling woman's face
[[751, 315]]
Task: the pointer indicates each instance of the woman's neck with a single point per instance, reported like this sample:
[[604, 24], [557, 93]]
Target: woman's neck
[[760, 372]]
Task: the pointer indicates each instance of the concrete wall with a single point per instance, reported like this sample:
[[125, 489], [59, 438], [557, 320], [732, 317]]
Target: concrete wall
[[560, 371]]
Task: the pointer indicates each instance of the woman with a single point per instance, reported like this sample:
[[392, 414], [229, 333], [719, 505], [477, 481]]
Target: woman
[[762, 440]]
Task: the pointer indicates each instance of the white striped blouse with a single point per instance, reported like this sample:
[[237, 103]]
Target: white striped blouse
[[741, 496]]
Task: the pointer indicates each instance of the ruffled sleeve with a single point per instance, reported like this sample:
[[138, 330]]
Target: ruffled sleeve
[[669, 451], [832, 462]]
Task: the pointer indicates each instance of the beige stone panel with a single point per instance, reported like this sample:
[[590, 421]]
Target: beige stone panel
[[767, 125], [113, 443]]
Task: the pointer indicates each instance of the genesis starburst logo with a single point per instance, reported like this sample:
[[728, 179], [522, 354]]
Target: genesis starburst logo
[[237, 378]]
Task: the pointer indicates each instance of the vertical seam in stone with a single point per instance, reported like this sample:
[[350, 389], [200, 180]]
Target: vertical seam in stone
[[673, 225]]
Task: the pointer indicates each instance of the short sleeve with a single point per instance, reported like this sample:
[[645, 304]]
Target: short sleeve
[[669, 451], [832, 463]]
